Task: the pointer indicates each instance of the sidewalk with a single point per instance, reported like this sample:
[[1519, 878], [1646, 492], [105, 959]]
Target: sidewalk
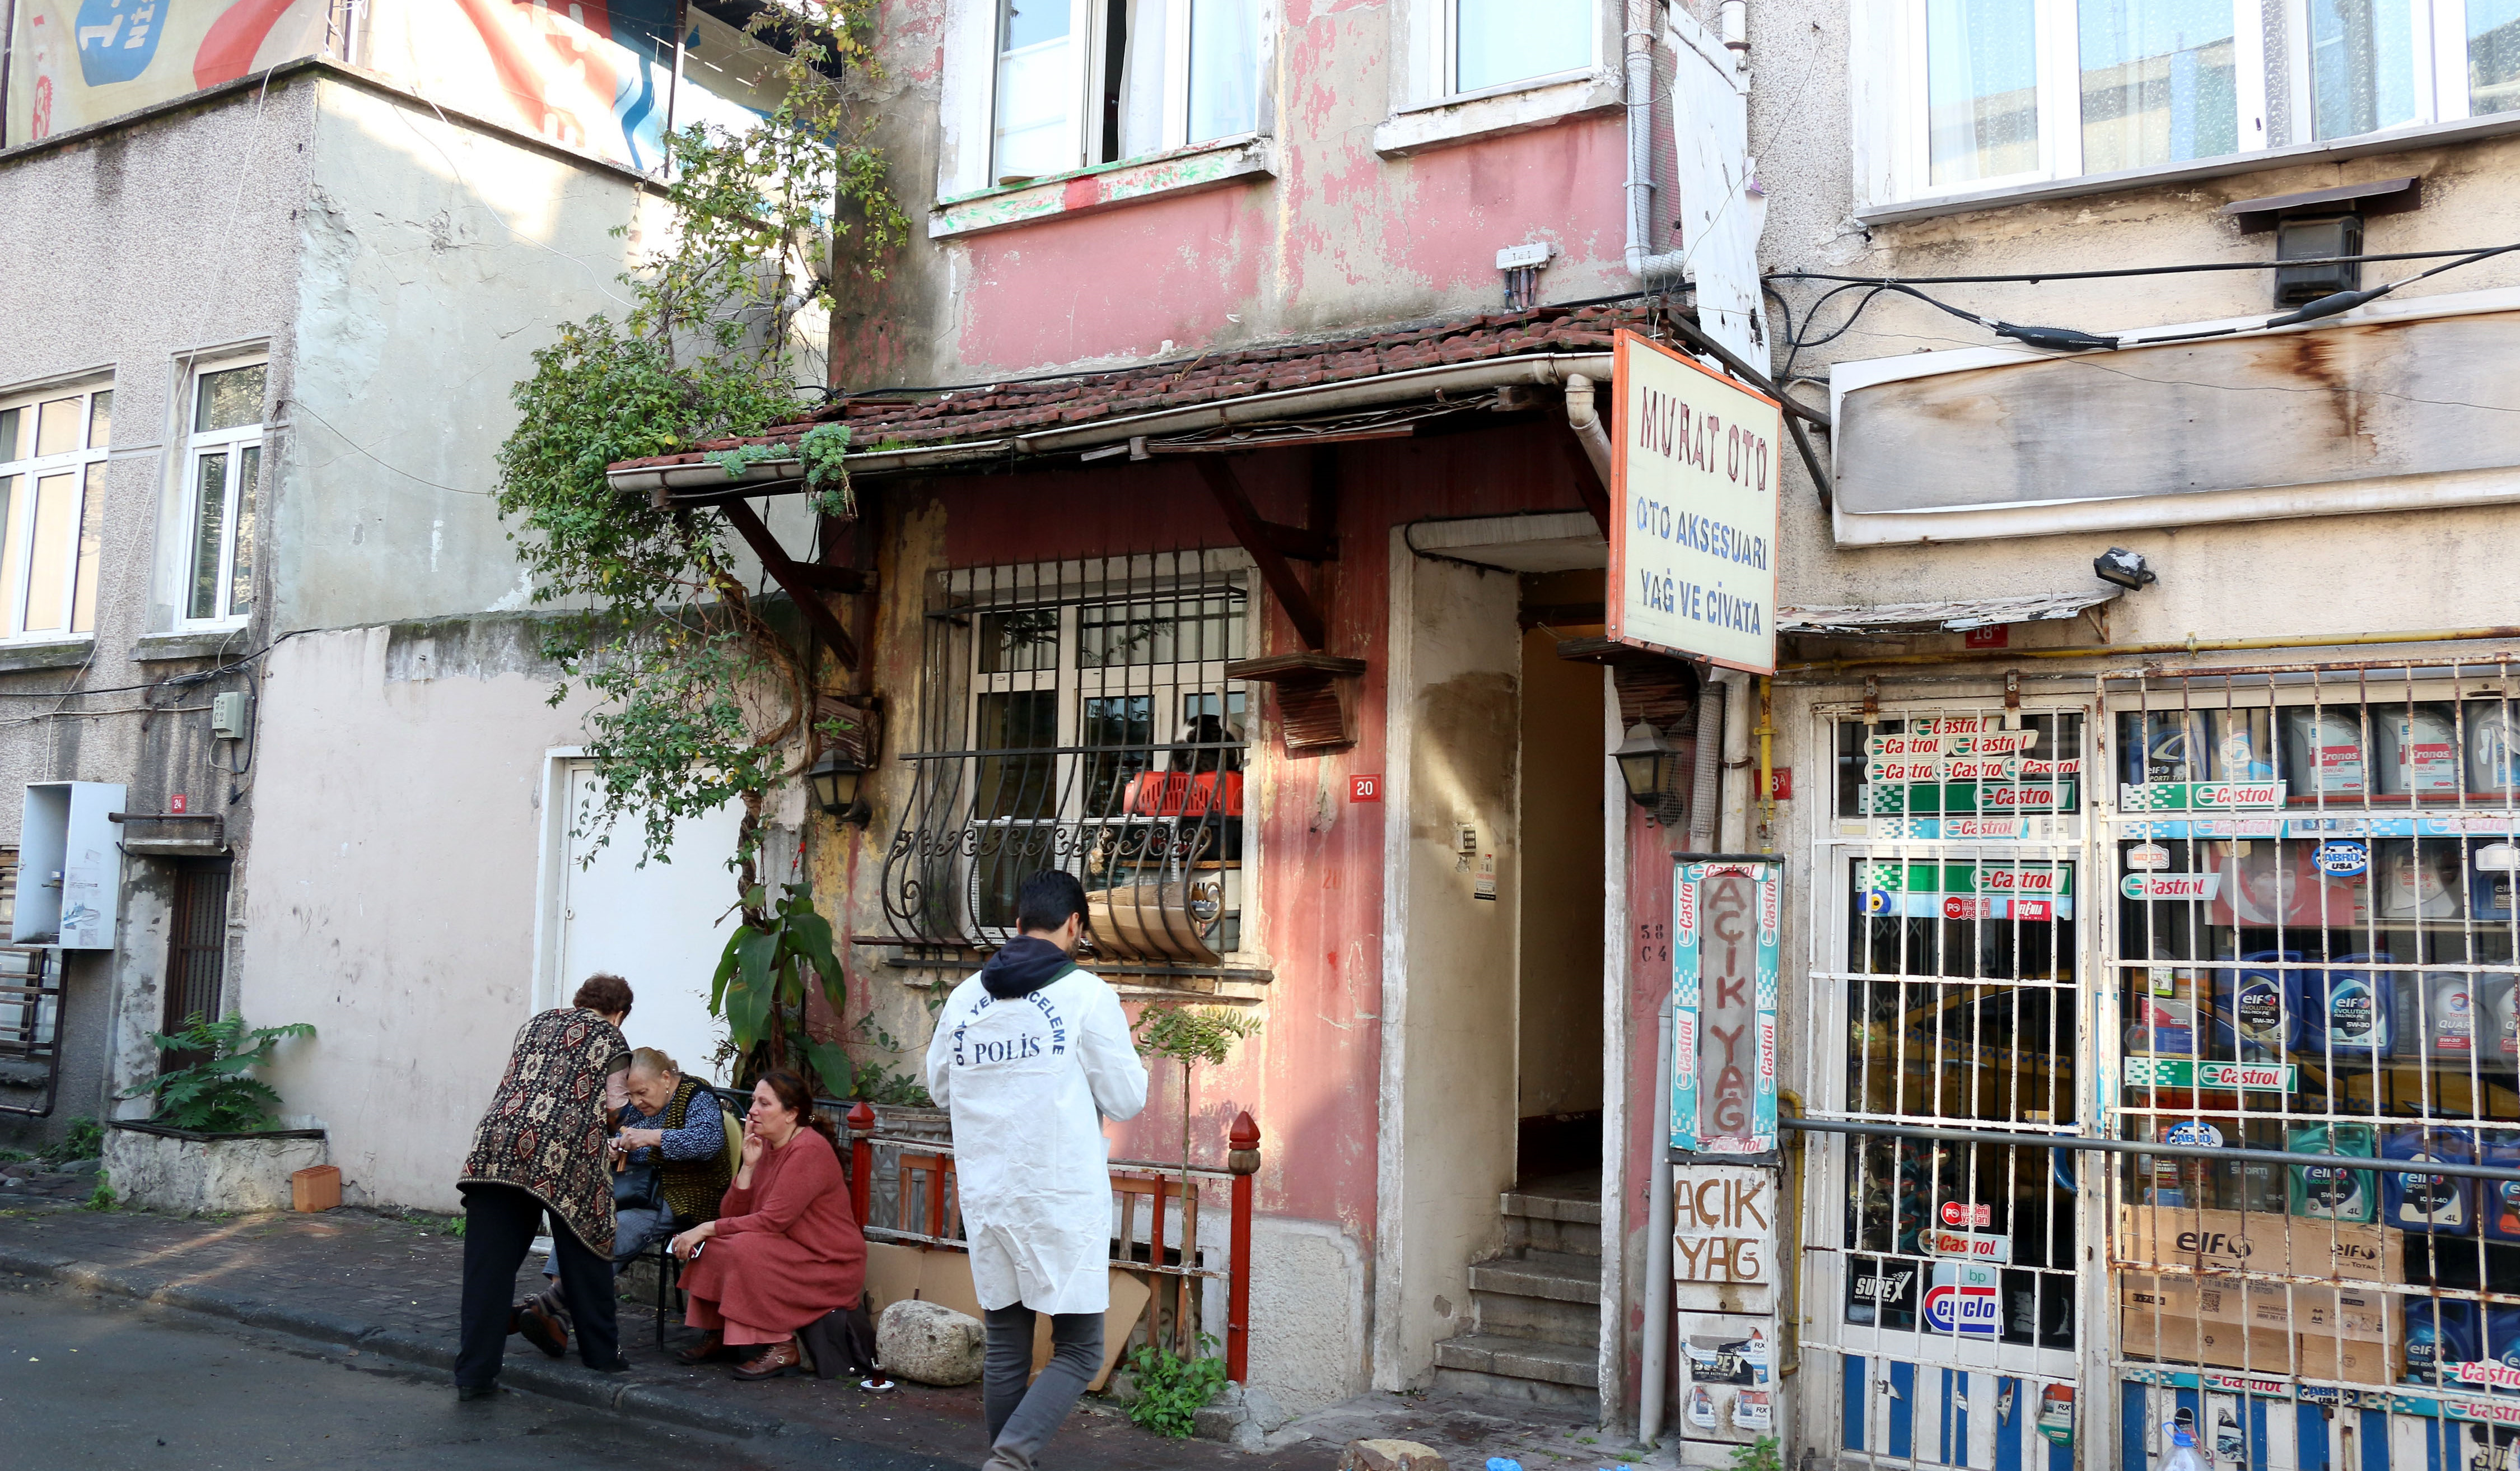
[[383, 1285]]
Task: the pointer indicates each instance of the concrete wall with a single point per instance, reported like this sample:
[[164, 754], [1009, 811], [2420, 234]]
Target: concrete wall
[[1559, 815]]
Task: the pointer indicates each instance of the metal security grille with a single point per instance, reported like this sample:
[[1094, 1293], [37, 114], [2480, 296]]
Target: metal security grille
[[197, 945], [1943, 994], [1077, 716], [2313, 947]]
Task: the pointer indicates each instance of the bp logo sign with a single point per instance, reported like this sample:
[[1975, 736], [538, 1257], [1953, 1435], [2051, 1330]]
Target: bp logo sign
[[1963, 1301]]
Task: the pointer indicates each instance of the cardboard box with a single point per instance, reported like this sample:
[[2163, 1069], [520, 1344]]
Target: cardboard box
[[2236, 1241], [2355, 1314], [937, 1275], [2349, 1253], [2353, 1360], [2259, 1350], [2217, 1300]]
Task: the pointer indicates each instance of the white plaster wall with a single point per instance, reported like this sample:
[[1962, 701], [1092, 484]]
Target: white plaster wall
[[1308, 1287], [393, 899]]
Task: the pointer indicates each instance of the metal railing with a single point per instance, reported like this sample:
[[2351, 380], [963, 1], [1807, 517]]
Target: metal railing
[[30, 1020]]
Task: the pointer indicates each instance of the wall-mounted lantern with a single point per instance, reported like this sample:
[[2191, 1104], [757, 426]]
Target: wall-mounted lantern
[[836, 779], [1643, 760]]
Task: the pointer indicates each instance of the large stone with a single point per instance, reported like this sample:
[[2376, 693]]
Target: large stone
[[929, 1343], [1388, 1455], [195, 1174]]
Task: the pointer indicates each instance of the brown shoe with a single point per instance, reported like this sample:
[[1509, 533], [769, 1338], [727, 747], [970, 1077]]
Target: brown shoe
[[543, 1328], [709, 1350], [777, 1361]]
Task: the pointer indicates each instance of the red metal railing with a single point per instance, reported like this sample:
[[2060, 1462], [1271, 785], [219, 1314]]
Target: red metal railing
[[923, 1213]]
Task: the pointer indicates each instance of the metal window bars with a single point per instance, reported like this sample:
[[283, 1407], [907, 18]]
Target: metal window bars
[[30, 1019], [1076, 714]]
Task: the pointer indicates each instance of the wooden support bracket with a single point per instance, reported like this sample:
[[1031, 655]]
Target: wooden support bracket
[[1269, 543], [801, 584], [1315, 695]]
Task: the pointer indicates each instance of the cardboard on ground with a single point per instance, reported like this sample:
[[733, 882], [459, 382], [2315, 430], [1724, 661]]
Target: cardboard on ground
[[944, 1277]]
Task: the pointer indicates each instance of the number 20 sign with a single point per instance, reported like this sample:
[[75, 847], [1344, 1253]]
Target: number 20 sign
[[1723, 989]]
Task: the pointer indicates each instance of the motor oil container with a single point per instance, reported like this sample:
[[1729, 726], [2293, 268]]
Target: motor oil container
[[2440, 1205], [2497, 1205], [2489, 879], [2417, 882], [2497, 1010], [2439, 1332], [2350, 1013], [2419, 751], [2502, 1348], [2164, 1026], [2437, 1017], [2323, 752], [2251, 1010], [2324, 1192], [2182, 1179], [2163, 746], [2242, 745], [2493, 748]]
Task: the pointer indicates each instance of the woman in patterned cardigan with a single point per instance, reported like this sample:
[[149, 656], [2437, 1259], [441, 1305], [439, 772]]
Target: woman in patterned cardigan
[[541, 1147]]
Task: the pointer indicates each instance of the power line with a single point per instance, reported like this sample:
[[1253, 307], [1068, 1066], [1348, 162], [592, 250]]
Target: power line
[[2033, 278]]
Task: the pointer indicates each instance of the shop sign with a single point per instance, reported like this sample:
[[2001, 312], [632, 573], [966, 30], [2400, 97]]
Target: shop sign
[[2185, 1072], [1963, 1213], [2488, 1373], [1897, 799], [2199, 795], [1886, 1286], [2342, 859], [1724, 1220], [2170, 886], [1726, 935], [1694, 487], [1964, 1300], [1968, 877], [1977, 1246], [2031, 766], [1945, 768], [1981, 745], [2147, 857]]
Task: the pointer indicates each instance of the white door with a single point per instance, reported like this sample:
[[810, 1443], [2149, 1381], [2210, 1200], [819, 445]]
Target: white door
[[660, 927]]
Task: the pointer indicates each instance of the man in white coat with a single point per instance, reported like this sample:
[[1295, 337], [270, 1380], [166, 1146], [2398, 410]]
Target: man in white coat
[[1030, 1055]]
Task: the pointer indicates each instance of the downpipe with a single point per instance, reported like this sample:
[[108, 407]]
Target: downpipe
[[1637, 41], [1584, 417]]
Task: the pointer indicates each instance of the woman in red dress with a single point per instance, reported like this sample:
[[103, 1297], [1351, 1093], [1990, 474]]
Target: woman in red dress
[[785, 1248]]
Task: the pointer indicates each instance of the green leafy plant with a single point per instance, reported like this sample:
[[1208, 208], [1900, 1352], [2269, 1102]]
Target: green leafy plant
[[217, 1095], [1760, 1455], [825, 451], [84, 1140], [762, 986], [1191, 1037], [702, 697], [102, 1198], [1172, 1390]]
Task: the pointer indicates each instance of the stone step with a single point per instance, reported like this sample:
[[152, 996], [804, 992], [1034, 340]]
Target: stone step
[[1558, 1276], [1535, 1233], [1549, 1320], [1566, 1365], [1551, 1206], [1474, 1384]]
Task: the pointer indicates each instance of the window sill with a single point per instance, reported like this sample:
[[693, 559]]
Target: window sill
[[1461, 120], [1090, 191], [2402, 140], [196, 643], [56, 654]]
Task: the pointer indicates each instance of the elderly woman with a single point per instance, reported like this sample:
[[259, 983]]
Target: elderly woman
[[671, 1165], [785, 1249], [540, 1148]]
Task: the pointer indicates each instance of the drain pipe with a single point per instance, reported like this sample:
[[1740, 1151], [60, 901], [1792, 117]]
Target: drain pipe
[[1639, 41], [1583, 417], [1703, 803]]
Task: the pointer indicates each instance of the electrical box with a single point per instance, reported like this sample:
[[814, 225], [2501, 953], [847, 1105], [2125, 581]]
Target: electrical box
[[2317, 237], [227, 716], [69, 866]]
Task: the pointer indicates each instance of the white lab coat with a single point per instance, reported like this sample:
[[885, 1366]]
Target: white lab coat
[[1023, 1079]]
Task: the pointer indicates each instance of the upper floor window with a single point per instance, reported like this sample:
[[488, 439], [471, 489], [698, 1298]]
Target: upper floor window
[[1496, 43], [52, 511], [1082, 82], [222, 461], [2019, 91]]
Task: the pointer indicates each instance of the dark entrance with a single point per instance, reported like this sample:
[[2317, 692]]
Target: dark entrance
[[197, 946]]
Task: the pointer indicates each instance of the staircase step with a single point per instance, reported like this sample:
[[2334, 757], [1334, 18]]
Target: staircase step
[[1572, 1365], [1533, 1233], [1558, 1276], [1584, 1209]]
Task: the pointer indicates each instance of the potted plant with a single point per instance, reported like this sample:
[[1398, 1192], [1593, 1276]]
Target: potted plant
[[208, 1144]]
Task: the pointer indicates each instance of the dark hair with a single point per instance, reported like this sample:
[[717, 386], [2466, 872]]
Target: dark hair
[[605, 993], [1047, 898], [793, 1095]]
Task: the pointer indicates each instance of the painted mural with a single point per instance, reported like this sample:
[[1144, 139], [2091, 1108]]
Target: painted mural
[[73, 62]]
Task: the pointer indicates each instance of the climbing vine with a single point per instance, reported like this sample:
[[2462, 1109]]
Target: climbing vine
[[700, 698]]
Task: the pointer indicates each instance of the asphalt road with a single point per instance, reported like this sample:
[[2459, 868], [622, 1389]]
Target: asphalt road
[[84, 1382]]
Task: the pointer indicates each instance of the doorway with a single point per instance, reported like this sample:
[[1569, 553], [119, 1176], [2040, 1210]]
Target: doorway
[[1557, 1062], [196, 952]]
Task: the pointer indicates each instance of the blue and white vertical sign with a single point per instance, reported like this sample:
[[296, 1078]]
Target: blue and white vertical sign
[[1725, 928]]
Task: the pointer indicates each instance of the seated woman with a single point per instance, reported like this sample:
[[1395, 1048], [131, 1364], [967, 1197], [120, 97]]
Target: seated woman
[[785, 1249]]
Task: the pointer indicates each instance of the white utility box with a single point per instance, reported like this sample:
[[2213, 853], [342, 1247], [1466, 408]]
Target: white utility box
[[69, 866]]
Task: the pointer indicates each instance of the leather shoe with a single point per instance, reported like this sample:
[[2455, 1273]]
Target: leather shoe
[[463, 1392], [543, 1328], [709, 1350], [778, 1360]]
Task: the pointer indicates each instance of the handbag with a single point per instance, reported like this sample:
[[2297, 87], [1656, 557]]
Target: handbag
[[638, 1188]]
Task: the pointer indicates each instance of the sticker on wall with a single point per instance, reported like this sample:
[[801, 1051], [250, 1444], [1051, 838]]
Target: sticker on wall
[[2344, 859], [1701, 1408], [1726, 929], [1752, 1411], [1483, 885], [2056, 1413]]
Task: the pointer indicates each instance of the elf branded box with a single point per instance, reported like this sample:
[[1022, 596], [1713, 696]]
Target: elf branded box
[[2258, 1242], [2357, 1314], [2354, 1360]]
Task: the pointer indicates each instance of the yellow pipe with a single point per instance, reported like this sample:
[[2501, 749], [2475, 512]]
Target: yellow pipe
[[2191, 645], [1766, 733]]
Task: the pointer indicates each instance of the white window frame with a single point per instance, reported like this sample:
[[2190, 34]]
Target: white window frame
[[967, 160], [1427, 110], [84, 463], [230, 443], [1887, 56]]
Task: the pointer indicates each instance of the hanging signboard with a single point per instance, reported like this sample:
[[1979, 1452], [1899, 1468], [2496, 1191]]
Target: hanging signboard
[[73, 62], [1694, 511], [1724, 958]]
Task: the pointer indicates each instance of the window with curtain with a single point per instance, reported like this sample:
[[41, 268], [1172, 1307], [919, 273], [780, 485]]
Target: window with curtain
[[52, 510], [223, 462], [1981, 89], [1086, 82]]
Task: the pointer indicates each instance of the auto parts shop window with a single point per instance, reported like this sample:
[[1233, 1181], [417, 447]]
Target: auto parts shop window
[[52, 510], [222, 467], [1084, 82]]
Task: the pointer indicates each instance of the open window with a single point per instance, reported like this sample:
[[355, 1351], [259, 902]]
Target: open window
[[1076, 83], [52, 510]]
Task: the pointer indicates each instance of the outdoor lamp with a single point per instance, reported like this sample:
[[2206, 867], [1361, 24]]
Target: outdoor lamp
[[836, 778], [2128, 570], [1640, 758]]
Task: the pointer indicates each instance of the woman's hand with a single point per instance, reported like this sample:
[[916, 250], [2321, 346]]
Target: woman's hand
[[641, 1138], [753, 1146], [690, 1241]]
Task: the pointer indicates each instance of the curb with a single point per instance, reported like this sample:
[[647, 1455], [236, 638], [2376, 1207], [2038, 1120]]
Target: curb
[[552, 1380]]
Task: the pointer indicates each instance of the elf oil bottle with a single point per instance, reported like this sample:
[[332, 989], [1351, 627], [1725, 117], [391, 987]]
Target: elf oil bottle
[[2440, 1205], [2502, 1348], [2323, 752], [2437, 1017], [2493, 748], [2350, 1013], [2324, 1192], [2418, 752], [2439, 1332], [2250, 1010], [2498, 1202]]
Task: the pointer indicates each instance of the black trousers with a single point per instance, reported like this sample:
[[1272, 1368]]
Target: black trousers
[[499, 1227]]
